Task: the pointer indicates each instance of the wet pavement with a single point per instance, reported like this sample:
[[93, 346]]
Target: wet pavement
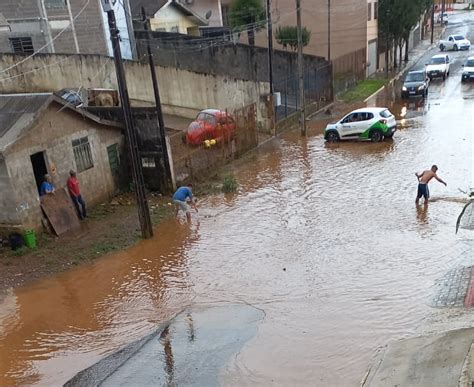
[[324, 239]]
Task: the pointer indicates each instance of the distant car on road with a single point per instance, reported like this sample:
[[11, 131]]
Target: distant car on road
[[445, 18], [210, 124], [371, 123], [455, 42], [416, 84], [468, 70], [438, 67]]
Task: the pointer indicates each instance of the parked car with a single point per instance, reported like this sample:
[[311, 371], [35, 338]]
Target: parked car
[[210, 124], [468, 70], [416, 84], [445, 18], [438, 66], [455, 42], [371, 123]]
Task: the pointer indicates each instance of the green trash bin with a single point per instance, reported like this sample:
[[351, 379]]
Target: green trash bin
[[30, 239]]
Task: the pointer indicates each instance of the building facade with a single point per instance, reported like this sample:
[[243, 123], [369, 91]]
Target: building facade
[[39, 134], [372, 36], [61, 26]]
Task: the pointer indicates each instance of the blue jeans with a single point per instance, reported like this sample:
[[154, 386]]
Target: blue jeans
[[80, 206]]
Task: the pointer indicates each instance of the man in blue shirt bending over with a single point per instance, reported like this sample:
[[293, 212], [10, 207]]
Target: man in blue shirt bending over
[[180, 199]]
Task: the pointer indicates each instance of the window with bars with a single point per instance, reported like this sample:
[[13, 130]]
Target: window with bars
[[55, 3], [369, 11], [22, 45], [82, 154], [225, 9], [376, 10]]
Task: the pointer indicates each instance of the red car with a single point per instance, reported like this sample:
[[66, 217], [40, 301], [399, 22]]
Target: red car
[[210, 124]]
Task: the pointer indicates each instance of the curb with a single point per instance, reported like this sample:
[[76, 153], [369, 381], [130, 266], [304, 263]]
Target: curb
[[375, 94]]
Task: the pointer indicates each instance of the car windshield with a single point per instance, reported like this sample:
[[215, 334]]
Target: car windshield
[[470, 63], [436, 61], [414, 77], [459, 37], [385, 113]]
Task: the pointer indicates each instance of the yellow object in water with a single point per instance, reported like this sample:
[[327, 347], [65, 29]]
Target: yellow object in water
[[213, 141], [207, 143]]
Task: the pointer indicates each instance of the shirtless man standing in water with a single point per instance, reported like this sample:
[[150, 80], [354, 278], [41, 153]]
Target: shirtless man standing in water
[[423, 180]]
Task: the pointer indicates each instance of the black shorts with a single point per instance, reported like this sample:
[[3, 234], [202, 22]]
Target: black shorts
[[423, 191]]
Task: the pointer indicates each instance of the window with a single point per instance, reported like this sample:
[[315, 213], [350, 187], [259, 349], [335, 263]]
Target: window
[[369, 11], [225, 9], [55, 3], [82, 154], [175, 29], [376, 10], [22, 45]]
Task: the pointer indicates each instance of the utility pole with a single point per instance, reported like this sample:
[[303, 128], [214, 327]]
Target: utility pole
[[329, 30], [156, 90], [300, 68], [135, 160], [443, 8], [432, 22], [270, 45]]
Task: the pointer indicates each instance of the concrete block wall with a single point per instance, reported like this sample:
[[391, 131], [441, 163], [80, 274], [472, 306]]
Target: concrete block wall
[[183, 92]]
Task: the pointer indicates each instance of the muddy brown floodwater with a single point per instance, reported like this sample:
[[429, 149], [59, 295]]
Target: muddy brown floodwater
[[326, 240]]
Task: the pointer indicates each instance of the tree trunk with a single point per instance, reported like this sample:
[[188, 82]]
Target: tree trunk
[[251, 35], [387, 59], [400, 47], [395, 55], [406, 49]]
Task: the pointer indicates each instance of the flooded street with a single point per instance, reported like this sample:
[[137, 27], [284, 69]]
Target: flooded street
[[324, 239]]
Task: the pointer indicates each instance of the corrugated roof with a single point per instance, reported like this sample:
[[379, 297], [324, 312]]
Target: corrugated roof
[[17, 111]]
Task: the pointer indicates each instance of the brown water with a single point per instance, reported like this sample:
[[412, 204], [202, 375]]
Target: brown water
[[325, 239]]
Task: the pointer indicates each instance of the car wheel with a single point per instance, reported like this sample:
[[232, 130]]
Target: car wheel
[[441, 47], [332, 136], [455, 47], [376, 136]]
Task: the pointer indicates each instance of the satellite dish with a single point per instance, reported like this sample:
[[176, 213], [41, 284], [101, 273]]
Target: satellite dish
[[208, 14]]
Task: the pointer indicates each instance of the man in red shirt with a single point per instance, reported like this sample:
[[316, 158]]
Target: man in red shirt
[[75, 192]]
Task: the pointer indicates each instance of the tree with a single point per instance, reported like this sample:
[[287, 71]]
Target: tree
[[247, 16], [288, 36], [396, 21]]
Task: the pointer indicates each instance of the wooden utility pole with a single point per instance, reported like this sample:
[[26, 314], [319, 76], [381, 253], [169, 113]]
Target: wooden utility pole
[[329, 30], [300, 69], [270, 45], [432, 22], [159, 112], [130, 133]]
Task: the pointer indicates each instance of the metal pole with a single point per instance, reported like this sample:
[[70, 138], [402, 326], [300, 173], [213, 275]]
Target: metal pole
[[159, 111], [135, 161], [329, 30], [270, 45], [432, 22], [300, 69], [443, 7]]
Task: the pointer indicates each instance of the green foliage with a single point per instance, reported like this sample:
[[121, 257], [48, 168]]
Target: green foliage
[[247, 16], [363, 90], [229, 184], [288, 36]]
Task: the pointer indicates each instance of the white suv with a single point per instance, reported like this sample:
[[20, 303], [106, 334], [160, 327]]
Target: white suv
[[468, 70], [373, 124], [438, 66]]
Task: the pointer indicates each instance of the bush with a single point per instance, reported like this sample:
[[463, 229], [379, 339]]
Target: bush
[[229, 184]]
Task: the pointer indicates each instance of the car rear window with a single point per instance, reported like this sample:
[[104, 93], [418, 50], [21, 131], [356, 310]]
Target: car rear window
[[385, 113]]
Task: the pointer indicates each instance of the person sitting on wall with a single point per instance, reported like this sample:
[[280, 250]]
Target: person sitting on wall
[[47, 186], [75, 193]]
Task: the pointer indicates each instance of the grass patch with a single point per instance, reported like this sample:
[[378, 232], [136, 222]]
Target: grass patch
[[229, 184], [363, 90]]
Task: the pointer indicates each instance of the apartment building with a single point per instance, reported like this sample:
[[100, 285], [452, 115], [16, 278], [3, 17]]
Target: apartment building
[[62, 26]]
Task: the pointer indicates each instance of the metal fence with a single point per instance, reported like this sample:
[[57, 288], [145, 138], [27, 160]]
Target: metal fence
[[317, 87], [195, 161]]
